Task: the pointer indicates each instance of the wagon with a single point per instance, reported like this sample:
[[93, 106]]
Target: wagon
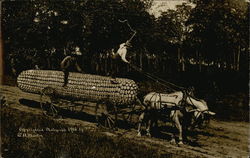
[[111, 99]]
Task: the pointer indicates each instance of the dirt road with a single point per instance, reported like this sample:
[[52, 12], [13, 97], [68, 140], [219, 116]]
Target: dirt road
[[220, 139]]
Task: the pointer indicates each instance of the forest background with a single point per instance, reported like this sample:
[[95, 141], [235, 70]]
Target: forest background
[[201, 43]]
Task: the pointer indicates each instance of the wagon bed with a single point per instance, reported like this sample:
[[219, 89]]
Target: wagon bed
[[112, 97]]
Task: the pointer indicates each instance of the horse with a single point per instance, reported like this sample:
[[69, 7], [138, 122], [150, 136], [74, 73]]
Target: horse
[[175, 104]]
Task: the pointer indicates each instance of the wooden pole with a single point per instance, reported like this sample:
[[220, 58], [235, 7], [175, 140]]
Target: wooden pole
[[182, 59], [234, 61], [141, 60], [200, 61], [1, 62], [1, 53], [179, 58], [238, 59]]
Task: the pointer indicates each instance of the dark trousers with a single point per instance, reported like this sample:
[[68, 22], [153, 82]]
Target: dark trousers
[[119, 66], [66, 75]]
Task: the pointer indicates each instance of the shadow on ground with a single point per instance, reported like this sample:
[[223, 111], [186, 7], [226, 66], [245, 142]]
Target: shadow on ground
[[66, 113]]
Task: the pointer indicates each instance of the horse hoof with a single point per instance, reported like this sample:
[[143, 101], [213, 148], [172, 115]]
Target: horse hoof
[[180, 143], [148, 134], [173, 142], [139, 135]]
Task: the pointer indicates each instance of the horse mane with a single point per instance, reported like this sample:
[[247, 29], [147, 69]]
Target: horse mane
[[197, 99], [200, 100], [203, 101]]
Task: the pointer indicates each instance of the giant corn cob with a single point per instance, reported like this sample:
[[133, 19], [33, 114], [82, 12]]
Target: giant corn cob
[[80, 86]]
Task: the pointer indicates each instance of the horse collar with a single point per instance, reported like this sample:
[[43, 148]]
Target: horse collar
[[184, 98]]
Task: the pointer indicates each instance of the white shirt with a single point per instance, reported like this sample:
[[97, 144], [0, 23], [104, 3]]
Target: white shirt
[[122, 51]]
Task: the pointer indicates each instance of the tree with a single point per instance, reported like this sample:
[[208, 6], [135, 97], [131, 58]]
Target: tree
[[172, 27], [46, 28], [219, 30]]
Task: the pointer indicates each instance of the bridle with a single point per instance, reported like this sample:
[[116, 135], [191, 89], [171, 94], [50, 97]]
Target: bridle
[[197, 112]]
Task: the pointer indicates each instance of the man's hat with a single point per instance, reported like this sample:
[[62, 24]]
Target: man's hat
[[77, 51]]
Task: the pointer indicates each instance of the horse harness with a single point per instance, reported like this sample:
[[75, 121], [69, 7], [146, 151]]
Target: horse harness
[[165, 109]]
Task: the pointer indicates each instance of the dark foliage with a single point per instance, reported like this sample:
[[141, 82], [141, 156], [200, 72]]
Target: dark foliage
[[209, 38]]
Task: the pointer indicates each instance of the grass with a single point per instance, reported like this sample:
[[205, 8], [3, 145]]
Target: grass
[[87, 143], [93, 144], [81, 143]]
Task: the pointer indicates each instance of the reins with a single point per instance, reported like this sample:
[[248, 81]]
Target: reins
[[198, 110], [158, 80]]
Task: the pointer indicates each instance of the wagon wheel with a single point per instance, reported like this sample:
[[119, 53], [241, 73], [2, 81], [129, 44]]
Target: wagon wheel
[[106, 115], [127, 116], [47, 102]]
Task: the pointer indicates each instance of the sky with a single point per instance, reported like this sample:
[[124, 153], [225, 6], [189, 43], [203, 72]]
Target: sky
[[163, 5]]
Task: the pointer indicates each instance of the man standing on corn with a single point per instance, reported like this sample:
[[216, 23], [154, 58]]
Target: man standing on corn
[[69, 64], [119, 58]]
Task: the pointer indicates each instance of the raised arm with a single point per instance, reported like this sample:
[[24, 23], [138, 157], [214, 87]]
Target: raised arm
[[65, 62]]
